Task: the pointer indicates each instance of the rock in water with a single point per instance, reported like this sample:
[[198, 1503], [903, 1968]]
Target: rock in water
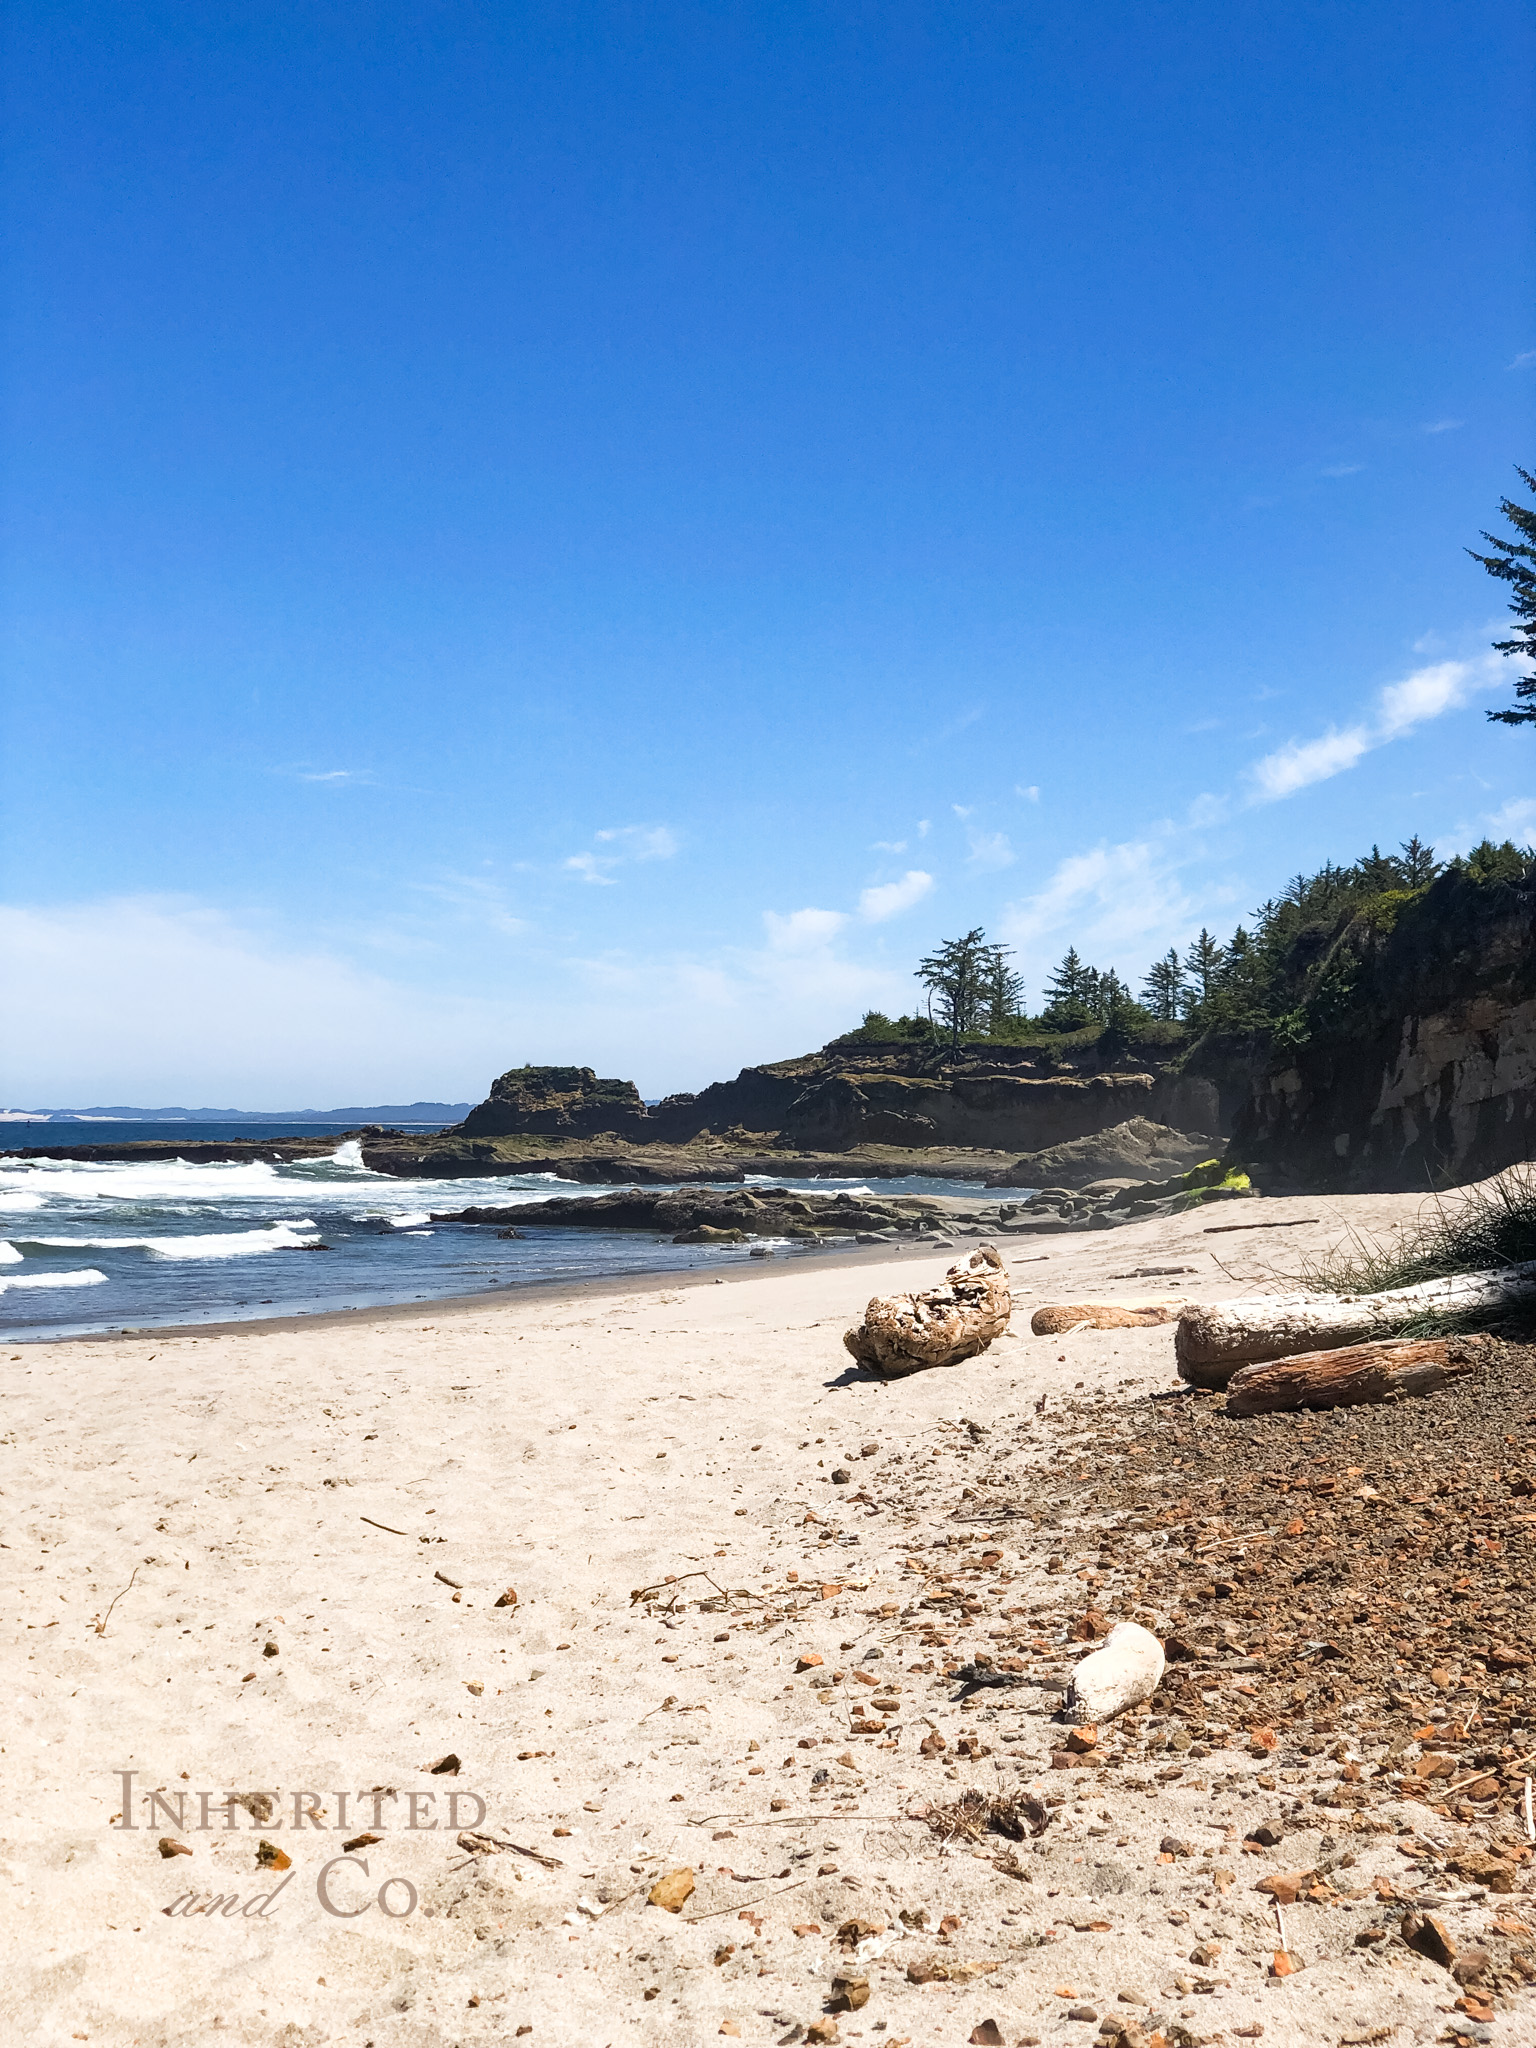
[[904, 1333], [1125, 1672]]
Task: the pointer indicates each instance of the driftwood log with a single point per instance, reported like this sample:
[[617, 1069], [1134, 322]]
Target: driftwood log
[[1355, 1374], [1213, 1341], [904, 1333], [1101, 1315]]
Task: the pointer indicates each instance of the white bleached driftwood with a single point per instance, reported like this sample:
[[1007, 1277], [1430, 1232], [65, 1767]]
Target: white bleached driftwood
[[1213, 1340], [1056, 1320], [1126, 1670], [904, 1333]]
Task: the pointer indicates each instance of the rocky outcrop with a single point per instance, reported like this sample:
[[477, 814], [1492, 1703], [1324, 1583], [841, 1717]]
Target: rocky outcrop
[[847, 1104], [1135, 1150], [1414, 1063], [557, 1102], [725, 1216]]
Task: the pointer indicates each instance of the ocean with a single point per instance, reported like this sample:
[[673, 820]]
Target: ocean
[[90, 1247]]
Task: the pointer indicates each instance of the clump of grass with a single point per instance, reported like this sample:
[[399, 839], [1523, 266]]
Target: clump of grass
[[1475, 1230]]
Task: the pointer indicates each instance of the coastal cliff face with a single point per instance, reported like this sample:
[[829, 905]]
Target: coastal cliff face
[[844, 1100], [1413, 1062]]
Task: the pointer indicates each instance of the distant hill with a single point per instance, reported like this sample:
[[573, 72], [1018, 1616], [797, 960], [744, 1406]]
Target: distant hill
[[370, 1113]]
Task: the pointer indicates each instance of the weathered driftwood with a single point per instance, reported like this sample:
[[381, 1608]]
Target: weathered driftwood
[[1101, 1315], [1213, 1341], [1355, 1374], [904, 1333], [1125, 1671]]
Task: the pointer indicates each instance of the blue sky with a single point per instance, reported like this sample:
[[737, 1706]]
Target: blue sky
[[599, 534]]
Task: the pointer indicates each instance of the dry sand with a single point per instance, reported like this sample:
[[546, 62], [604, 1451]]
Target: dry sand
[[179, 1507]]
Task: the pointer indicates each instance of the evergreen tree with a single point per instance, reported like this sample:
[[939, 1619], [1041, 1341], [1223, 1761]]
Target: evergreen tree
[[1513, 561], [956, 978], [1201, 965], [1069, 992], [1163, 986], [1418, 862], [1002, 989]]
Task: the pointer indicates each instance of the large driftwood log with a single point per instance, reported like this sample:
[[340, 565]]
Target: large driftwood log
[[1356, 1374], [904, 1333], [1213, 1341], [1101, 1315]]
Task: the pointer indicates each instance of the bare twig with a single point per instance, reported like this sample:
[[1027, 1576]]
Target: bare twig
[[715, 1912], [383, 1525], [101, 1626]]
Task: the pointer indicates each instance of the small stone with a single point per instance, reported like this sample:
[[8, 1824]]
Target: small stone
[[987, 2034], [1081, 2012], [849, 1994], [364, 1841], [1427, 1936], [169, 1846], [671, 1892], [475, 1686], [446, 1766], [1083, 1739], [842, 1476], [270, 1857], [508, 1599], [809, 1661], [1285, 1963]]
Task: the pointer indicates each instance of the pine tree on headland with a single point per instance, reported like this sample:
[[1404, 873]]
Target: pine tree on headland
[[1418, 863], [1069, 991], [1202, 964], [957, 979], [1513, 561], [1002, 989], [1163, 986]]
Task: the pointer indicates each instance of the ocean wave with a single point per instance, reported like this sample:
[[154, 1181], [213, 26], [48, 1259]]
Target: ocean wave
[[16, 1202], [222, 1244], [9, 1256], [88, 1277]]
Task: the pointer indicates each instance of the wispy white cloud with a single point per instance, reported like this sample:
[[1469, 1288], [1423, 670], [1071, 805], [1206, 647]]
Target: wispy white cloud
[[963, 811], [1515, 820], [332, 775], [1442, 426], [924, 827], [1524, 360], [1030, 794], [802, 931], [889, 899], [1301, 762], [1343, 469], [1119, 904], [591, 867], [477, 899], [990, 851], [1427, 693], [1400, 708], [640, 842], [627, 843], [889, 846]]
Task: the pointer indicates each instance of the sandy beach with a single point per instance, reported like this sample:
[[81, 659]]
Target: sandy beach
[[268, 1561]]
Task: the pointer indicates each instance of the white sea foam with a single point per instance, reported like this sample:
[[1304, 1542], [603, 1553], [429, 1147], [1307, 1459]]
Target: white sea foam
[[220, 1244], [411, 1220], [15, 1202], [89, 1277], [9, 1256]]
